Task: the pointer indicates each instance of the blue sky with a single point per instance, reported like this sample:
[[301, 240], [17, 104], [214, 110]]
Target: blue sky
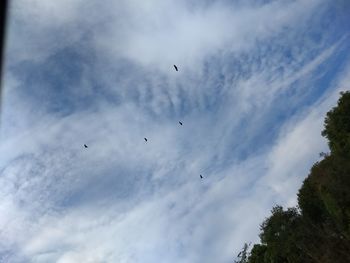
[[254, 83]]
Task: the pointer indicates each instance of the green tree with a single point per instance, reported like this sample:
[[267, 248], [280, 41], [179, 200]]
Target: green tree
[[257, 255], [337, 126], [281, 233], [319, 230], [242, 256]]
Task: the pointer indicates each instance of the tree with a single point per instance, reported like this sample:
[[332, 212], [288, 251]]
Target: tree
[[242, 256], [280, 234], [319, 230], [337, 126], [257, 255]]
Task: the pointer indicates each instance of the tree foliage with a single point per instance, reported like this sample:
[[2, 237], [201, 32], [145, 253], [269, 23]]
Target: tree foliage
[[242, 256], [337, 126], [318, 230]]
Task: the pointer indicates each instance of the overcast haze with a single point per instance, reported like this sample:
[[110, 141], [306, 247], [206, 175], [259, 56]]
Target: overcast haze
[[255, 80]]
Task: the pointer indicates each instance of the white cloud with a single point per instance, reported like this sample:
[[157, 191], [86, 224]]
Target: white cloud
[[163, 33], [156, 33]]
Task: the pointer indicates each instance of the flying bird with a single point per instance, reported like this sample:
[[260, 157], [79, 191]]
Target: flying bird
[[176, 68], [180, 122], [85, 146], [201, 176], [145, 139]]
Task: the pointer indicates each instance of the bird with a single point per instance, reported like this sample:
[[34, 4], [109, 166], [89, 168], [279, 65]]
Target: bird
[[201, 176], [180, 122], [145, 139], [176, 68], [85, 146]]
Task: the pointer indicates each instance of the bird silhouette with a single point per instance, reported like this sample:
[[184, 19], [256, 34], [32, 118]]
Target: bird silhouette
[[85, 146], [201, 176], [180, 122], [176, 68], [145, 139]]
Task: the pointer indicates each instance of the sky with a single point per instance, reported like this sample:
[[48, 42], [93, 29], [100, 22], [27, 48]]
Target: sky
[[255, 80]]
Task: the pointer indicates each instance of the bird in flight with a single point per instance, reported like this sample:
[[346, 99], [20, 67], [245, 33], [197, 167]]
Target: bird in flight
[[176, 68], [85, 146], [201, 176], [145, 139], [180, 122]]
